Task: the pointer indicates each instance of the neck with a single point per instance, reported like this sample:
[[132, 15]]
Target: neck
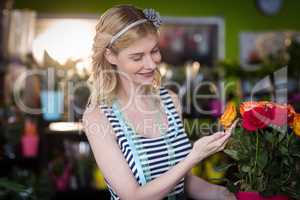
[[131, 94]]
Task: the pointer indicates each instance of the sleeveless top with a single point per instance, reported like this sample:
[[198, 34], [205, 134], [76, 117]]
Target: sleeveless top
[[152, 152]]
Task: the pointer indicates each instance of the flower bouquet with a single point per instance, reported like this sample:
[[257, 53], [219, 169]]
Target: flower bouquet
[[265, 150]]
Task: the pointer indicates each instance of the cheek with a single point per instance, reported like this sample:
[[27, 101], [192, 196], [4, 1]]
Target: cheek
[[130, 67]]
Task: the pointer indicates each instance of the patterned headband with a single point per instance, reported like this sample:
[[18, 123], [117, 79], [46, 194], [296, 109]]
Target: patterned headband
[[150, 14]]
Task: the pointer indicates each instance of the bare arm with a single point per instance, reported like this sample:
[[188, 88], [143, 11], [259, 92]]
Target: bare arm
[[115, 168], [196, 187]]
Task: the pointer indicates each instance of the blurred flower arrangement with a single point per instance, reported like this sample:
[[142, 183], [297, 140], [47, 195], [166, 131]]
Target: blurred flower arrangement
[[63, 88], [265, 148]]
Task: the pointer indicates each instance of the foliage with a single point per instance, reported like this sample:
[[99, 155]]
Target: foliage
[[267, 158]]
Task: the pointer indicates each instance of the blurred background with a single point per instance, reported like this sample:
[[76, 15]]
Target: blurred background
[[219, 51]]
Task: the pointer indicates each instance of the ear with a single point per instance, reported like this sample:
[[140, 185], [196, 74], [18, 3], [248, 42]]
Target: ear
[[110, 56]]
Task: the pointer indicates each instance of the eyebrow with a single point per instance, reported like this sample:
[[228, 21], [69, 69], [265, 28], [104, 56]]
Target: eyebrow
[[141, 53]]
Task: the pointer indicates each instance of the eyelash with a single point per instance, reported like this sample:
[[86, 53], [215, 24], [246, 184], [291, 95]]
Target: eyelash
[[138, 59]]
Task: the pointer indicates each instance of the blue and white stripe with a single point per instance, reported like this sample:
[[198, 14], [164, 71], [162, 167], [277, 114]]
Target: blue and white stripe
[[154, 149]]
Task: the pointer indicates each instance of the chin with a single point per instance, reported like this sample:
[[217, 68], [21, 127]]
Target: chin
[[144, 82]]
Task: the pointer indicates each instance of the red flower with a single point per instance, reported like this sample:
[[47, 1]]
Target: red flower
[[280, 114], [259, 114], [283, 114], [257, 117], [248, 105]]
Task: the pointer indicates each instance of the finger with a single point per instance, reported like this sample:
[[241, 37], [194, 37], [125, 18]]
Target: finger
[[220, 141], [224, 142], [217, 144], [234, 124], [223, 145], [221, 148], [216, 136], [229, 130]]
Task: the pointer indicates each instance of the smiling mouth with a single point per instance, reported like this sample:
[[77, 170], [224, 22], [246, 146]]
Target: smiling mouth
[[147, 73]]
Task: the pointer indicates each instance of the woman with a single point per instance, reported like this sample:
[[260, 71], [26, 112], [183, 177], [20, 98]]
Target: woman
[[133, 124]]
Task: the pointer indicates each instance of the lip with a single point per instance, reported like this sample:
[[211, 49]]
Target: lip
[[148, 74]]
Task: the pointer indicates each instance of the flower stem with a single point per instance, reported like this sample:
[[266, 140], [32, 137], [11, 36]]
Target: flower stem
[[256, 156]]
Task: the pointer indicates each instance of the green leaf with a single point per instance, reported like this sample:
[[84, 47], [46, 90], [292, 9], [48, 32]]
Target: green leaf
[[232, 153], [231, 187], [281, 135], [9, 185], [262, 159], [296, 154], [223, 167], [286, 162], [245, 168], [283, 150], [269, 137]]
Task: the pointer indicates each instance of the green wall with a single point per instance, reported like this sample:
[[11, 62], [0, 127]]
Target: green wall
[[239, 15]]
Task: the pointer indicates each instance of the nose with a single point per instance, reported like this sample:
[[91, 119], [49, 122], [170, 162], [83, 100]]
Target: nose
[[149, 62]]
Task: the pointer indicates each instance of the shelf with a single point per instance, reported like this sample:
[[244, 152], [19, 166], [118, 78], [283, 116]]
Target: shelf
[[61, 135]]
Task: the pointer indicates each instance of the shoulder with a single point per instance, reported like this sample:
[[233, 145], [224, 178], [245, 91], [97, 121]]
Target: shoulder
[[92, 114], [94, 121]]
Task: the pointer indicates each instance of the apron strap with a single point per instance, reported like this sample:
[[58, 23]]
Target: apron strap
[[131, 145]]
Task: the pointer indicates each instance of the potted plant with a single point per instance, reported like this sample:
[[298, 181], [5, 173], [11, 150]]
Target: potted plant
[[265, 149], [24, 184], [30, 139], [52, 97], [60, 171]]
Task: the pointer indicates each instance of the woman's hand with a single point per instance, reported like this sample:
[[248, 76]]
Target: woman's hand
[[209, 145]]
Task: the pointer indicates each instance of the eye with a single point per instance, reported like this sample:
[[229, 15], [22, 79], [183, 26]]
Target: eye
[[137, 59]]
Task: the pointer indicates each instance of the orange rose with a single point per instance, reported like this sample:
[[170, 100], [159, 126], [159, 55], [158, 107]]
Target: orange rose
[[229, 115], [248, 105], [296, 124], [291, 113]]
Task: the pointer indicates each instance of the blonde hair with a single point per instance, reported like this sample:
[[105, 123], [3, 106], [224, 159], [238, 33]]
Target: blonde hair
[[104, 79]]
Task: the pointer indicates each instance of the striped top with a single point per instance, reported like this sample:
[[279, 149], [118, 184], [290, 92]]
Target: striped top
[[152, 152]]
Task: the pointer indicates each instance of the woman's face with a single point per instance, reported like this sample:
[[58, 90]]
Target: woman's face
[[139, 61]]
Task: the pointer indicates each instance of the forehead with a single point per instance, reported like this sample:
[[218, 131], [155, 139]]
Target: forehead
[[142, 45]]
